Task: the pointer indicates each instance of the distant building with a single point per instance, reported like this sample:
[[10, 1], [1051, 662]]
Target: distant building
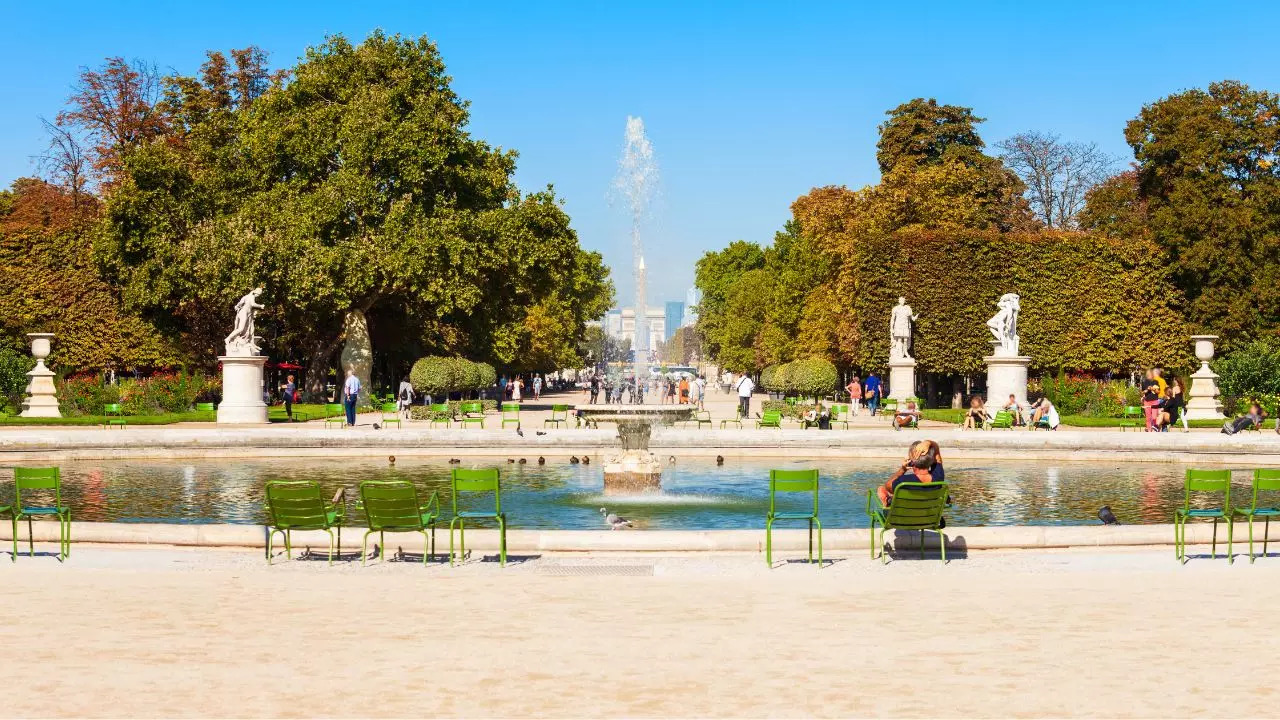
[[613, 323], [691, 301], [674, 318], [621, 324]]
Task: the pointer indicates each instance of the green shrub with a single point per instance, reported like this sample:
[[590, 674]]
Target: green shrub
[[423, 412], [14, 367], [811, 377], [1086, 396], [1252, 370], [769, 379], [488, 376], [433, 375], [160, 393]]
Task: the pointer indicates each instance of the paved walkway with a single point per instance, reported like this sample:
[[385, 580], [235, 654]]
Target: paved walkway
[[162, 632]]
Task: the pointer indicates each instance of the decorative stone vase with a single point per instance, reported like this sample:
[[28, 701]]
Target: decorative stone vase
[[1202, 401], [42, 395]]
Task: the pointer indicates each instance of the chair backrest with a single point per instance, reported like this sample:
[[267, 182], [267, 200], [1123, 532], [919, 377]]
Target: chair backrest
[[1132, 411], [391, 504], [793, 481], [296, 504], [472, 407], [793, 400], [1003, 418], [333, 408], [838, 411], [34, 479], [1207, 481], [510, 411], [204, 407], [439, 407], [890, 405], [483, 480], [702, 416], [559, 412], [1265, 480], [111, 409], [916, 506], [389, 407]]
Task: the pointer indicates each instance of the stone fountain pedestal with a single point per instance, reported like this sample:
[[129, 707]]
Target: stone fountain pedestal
[[1203, 402], [635, 470], [902, 378], [42, 395], [1006, 375], [242, 390]]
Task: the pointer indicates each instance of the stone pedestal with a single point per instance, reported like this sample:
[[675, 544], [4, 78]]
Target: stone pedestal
[[42, 395], [1202, 396], [242, 389], [902, 378], [1006, 375]]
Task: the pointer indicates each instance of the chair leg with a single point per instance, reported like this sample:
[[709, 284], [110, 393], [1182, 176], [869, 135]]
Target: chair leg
[[873, 538], [339, 542], [921, 543], [1250, 539], [768, 542], [1215, 539], [884, 556], [433, 540], [288, 544], [268, 545], [14, 536], [451, 524], [330, 545], [425, 554], [31, 539], [942, 545], [1266, 530], [1231, 527], [364, 548], [810, 539], [819, 522]]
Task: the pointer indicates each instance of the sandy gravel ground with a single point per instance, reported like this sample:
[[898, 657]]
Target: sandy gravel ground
[[166, 632]]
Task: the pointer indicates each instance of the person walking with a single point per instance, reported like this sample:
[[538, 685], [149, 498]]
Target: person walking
[[745, 387], [700, 392], [290, 395], [404, 395], [684, 390], [594, 384], [855, 395], [517, 384], [871, 391], [350, 396], [537, 387]]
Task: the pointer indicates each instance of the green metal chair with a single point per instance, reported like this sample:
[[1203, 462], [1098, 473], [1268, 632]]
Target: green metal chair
[[393, 506], [770, 419], [913, 506], [114, 416], [1264, 481], [439, 414], [477, 482], [840, 416], [1209, 482], [299, 505], [792, 481], [1133, 417], [1003, 420], [47, 481], [700, 418], [559, 417], [205, 407], [737, 420], [888, 407], [335, 414], [792, 400], [471, 413], [510, 414], [391, 414]]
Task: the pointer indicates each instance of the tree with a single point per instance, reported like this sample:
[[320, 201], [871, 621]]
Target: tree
[[925, 133], [1208, 172], [115, 108], [1116, 208], [1058, 174], [351, 188], [65, 164]]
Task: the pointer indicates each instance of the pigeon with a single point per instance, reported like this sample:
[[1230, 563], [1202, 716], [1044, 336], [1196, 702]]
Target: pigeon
[[511, 460], [538, 432], [586, 460], [376, 426], [523, 461], [1106, 516], [719, 459], [454, 461], [672, 460], [573, 459], [542, 460], [615, 522], [519, 431]]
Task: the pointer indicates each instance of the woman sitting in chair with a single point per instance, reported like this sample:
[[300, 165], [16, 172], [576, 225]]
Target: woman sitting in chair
[[977, 415], [923, 465]]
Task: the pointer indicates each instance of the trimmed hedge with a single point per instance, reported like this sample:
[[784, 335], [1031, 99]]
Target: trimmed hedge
[[423, 412], [809, 377], [435, 375]]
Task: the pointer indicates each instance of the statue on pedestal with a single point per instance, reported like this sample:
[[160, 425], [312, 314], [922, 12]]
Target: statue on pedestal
[[900, 330], [242, 340], [1004, 325]]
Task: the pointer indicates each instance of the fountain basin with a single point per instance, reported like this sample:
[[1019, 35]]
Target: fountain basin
[[635, 469]]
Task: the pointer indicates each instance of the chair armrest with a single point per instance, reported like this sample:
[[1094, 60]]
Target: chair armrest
[[432, 502], [340, 496]]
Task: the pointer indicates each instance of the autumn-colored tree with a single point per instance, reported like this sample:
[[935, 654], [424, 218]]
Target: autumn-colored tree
[[923, 132], [115, 108]]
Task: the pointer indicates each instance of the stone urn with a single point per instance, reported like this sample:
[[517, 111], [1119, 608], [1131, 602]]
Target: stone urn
[[42, 395], [1202, 400]]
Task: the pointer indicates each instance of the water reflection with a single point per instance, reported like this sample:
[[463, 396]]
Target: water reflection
[[697, 494]]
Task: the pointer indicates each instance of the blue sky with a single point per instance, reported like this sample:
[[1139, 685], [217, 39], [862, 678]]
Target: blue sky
[[748, 104]]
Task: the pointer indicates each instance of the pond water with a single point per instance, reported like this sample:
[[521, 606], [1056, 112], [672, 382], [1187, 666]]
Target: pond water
[[697, 494]]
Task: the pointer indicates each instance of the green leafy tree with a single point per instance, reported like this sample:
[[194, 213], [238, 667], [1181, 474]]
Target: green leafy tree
[[923, 132]]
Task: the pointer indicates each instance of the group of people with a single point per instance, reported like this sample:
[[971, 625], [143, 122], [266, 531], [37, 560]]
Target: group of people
[[1163, 403], [1040, 413], [681, 390], [513, 389], [870, 391]]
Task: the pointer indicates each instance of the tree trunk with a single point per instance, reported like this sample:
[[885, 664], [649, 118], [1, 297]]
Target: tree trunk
[[357, 354], [318, 362]]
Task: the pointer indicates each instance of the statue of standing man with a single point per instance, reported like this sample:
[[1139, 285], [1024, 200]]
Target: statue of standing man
[[242, 340], [900, 330]]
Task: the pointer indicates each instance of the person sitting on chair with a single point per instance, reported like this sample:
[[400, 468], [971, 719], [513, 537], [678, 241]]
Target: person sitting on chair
[[1248, 421], [1044, 414], [977, 415], [1013, 408], [1168, 409], [923, 465], [819, 417], [907, 416]]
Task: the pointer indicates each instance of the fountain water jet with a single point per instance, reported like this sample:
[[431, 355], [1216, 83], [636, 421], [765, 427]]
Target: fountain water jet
[[637, 180]]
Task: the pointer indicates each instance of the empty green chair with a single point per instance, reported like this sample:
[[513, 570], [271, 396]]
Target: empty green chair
[[559, 417], [770, 419], [299, 505], [1264, 481], [472, 413], [1205, 483], [114, 416], [1003, 420], [792, 400], [391, 414], [840, 416], [792, 481], [1133, 417], [393, 506], [700, 418], [205, 407], [476, 483], [335, 414], [510, 414], [439, 413], [913, 506], [737, 420], [43, 490], [889, 407]]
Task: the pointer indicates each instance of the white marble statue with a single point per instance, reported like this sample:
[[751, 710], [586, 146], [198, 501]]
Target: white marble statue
[[900, 330], [242, 340], [1004, 325]]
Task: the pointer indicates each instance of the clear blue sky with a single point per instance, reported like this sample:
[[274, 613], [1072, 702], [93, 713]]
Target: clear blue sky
[[748, 104]]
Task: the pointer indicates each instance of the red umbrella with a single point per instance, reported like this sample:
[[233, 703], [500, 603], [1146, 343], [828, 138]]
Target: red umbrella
[[288, 366]]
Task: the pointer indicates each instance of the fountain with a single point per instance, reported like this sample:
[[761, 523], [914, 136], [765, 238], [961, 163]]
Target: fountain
[[636, 469]]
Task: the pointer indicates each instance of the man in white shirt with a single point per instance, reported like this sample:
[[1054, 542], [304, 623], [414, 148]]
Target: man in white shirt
[[745, 387], [700, 390], [350, 396]]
